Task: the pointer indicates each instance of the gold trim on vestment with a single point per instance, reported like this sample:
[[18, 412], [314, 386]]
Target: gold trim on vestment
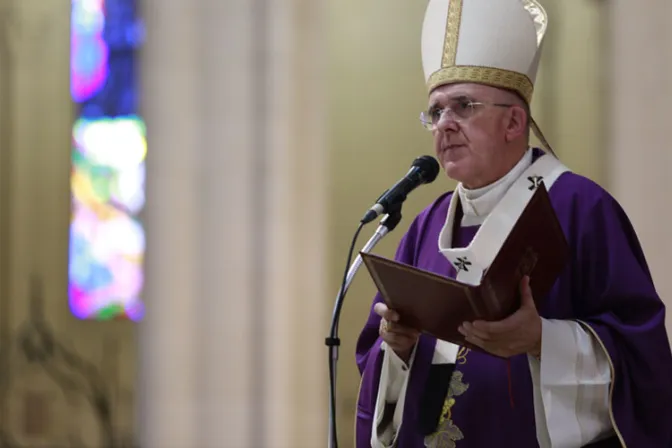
[[495, 77], [447, 434], [452, 33], [613, 381]]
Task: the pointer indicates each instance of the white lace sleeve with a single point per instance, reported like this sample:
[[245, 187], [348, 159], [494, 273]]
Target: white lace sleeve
[[571, 386], [391, 391]]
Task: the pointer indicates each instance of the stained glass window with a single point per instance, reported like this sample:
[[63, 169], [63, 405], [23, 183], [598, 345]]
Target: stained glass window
[[107, 239]]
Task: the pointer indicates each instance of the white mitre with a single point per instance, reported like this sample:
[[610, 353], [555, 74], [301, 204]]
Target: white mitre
[[493, 42]]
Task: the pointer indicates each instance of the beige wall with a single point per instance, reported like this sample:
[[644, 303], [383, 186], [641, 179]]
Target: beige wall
[[570, 88], [232, 347], [376, 94]]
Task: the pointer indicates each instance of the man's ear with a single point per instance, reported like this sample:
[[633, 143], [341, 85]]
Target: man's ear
[[517, 123]]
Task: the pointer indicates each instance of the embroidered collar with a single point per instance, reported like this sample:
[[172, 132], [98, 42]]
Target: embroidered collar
[[478, 203]]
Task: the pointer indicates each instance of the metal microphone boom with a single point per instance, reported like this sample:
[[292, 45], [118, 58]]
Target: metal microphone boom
[[387, 224]]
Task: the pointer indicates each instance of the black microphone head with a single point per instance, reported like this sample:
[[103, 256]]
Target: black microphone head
[[428, 167]]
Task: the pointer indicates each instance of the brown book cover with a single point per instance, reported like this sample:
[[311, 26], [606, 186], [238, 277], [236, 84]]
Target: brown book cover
[[438, 305]]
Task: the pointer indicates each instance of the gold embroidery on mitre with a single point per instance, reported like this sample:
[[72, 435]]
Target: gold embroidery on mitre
[[452, 33], [495, 77], [447, 433]]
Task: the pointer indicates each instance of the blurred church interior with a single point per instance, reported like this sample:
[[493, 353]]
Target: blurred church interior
[[180, 181]]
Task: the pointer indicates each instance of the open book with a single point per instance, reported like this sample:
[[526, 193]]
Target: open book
[[438, 305]]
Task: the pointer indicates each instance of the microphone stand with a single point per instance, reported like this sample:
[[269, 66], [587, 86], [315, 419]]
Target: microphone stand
[[387, 224]]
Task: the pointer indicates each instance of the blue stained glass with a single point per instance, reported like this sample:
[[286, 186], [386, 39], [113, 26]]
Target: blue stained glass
[[118, 95], [108, 156], [124, 30]]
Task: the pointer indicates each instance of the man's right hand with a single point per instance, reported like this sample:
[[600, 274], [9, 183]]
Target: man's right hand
[[398, 337]]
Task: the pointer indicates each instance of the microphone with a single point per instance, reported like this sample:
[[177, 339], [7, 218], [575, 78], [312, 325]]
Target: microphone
[[423, 171]]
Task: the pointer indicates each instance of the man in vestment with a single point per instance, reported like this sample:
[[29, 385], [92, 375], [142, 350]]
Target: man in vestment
[[592, 366]]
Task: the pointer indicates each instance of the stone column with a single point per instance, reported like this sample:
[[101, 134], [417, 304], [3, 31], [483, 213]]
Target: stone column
[[640, 158], [231, 346]]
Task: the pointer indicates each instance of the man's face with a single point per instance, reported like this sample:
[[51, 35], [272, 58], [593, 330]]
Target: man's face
[[470, 139]]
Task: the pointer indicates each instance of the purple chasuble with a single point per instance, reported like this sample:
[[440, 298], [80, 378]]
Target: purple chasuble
[[606, 285]]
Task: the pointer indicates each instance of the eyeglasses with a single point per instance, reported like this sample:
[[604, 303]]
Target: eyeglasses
[[459, 109]]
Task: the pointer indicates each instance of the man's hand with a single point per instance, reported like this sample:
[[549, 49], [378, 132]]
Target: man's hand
[[398, 337], [518, 333]]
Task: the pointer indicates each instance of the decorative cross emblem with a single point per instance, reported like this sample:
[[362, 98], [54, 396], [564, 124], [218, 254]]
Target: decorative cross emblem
[[462, 264], [536, 181]]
